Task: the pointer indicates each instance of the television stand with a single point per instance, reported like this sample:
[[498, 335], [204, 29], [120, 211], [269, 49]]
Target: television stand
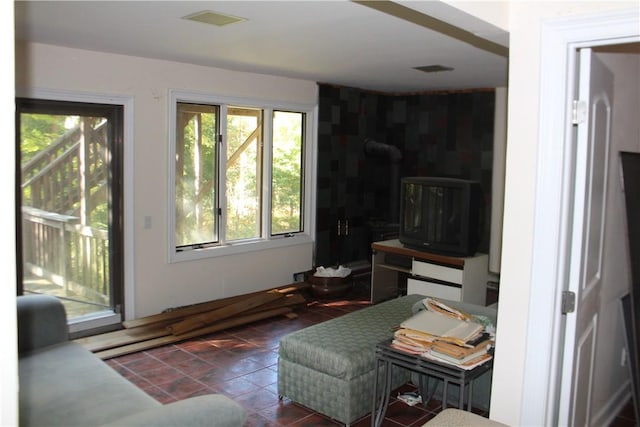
[[439, 276]]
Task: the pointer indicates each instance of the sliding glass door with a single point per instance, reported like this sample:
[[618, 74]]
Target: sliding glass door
[[69, 217]]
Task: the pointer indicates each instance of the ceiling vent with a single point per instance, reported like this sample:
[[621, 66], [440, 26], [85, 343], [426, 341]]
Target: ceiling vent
[[213, 18], [433, 68]]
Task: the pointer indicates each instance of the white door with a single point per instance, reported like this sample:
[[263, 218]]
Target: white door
[[592, 135]]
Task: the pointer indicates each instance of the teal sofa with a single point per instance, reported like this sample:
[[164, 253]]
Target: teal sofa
[[63, 384]]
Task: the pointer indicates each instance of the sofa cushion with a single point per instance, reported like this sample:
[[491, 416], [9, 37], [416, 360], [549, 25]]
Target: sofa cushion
[[208, 410], [344, 347], [66, 385], [42, 321]]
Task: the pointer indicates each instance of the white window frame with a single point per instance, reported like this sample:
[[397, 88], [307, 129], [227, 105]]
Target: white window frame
[[266, 240]]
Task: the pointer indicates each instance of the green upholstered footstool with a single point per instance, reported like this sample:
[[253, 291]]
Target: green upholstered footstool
[[330, 367]]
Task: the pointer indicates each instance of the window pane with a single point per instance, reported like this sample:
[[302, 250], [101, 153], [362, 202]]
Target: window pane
[[196, 202], [244, 173], [286, 185]]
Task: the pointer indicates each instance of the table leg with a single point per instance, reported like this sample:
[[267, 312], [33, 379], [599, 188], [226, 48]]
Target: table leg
[[461, 396], [426, 390], [378, 415], [470, 392], [422, 388], [445, 384], [374, 412]]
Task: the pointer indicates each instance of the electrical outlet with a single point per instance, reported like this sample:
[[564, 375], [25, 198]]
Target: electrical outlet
[[623, 357]]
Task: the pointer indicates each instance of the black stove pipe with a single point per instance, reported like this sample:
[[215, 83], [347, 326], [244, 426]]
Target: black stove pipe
[[394, 155]]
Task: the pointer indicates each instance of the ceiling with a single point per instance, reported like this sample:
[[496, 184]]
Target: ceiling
[[337, 42]]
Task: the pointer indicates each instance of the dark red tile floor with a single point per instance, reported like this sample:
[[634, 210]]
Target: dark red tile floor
[[242, 364]]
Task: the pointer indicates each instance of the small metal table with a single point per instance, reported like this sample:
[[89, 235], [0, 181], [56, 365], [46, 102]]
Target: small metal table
[[387, 357]]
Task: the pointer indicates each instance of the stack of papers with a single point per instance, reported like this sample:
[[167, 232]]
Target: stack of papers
[[433, 304], [444, 334]]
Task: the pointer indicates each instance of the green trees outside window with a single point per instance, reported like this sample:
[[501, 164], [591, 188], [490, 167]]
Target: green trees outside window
[[238, 182], [286, 182]]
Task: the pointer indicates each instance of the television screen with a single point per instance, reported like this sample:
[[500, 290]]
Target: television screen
[[440, 215]]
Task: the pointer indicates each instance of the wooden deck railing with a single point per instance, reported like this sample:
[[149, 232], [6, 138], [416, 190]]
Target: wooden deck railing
[[75, 257], [61, 175], [61, 186]]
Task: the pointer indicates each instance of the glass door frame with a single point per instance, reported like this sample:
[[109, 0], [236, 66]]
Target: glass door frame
[[125, 174]]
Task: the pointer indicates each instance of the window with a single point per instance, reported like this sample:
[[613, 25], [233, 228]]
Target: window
[[243, 173], [237, 174], [286, 182], [195, 174]]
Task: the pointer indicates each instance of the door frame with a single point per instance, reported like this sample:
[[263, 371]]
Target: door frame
[[127, 102], [561, 38]]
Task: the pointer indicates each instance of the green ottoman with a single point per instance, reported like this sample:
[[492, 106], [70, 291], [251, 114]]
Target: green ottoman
[[330, 367]]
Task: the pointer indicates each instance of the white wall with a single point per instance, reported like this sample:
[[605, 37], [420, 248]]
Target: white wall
[[493, 12], [8, 335], [158, 284], [497, 179]]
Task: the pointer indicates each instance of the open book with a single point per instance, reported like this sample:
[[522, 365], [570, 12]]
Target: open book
[[443, 326]]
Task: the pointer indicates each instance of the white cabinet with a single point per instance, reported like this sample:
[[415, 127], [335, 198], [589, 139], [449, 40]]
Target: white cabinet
[[467, 283], [453, 278], [433, 289]]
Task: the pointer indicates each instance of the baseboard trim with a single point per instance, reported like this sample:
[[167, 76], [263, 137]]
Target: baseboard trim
[[612, 408]]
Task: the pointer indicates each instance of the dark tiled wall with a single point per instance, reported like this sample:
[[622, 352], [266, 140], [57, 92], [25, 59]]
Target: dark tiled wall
[[448, 134]]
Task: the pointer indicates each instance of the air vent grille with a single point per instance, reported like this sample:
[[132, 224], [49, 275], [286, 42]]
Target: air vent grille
[[213, 18], [433, 68]]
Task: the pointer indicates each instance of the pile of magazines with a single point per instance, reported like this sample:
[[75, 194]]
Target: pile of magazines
[[445, 334]]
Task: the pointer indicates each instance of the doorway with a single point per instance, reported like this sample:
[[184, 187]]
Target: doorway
[[69, 206], [546, 335]]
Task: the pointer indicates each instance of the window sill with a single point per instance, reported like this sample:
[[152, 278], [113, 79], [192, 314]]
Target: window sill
[[93, 321], [239, 248]]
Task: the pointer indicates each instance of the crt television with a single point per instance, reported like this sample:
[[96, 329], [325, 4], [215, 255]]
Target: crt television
[[440, 215]]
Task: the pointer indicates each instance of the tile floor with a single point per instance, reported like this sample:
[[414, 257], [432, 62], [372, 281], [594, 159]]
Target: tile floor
[[242, 364]]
